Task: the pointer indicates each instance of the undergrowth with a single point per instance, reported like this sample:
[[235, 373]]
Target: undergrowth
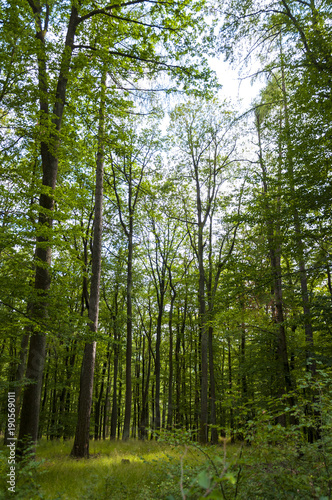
[[271, 463], [176, 470]]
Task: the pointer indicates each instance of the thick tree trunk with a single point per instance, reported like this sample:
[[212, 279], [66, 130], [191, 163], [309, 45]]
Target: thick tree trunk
[[81, 443], [19, 377], [28, 432]]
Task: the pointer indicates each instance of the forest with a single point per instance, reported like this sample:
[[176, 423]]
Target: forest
[[165, 250]]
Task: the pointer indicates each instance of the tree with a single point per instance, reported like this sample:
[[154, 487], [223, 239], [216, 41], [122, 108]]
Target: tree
[[271, 205], [206, 152], [81, 444]]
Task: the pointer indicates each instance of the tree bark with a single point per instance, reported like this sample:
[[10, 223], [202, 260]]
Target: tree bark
[[204, 333], [158, 342], [273, 237], [128, 396], [114, 414], [28, 432], [81, 443], [309, 337], [170, 355]]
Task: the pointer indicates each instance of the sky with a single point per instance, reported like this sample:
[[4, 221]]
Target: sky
[[234, 88]]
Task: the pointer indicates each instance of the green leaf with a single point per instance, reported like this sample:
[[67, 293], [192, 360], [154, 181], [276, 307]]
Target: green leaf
[[203, 480]]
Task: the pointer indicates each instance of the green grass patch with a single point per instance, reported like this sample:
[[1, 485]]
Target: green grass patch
[[116, 469], [150, 470]]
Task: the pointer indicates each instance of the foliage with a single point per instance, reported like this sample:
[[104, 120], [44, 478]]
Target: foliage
[[27, 477]]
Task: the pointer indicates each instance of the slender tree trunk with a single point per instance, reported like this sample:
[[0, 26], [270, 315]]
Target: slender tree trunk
[[204, 339], [213, 417], [81, 443], [145, 387], [128, 396], [158, 342], [114, 414], [119, 402], [67, 431], [312, 430], [243, 361], [107, 396], [141, 414], [170, 356], [45, 397], [98, 406], [152, 407], [274, 245], [197, 387], [230, 387], [178, 376], [329, 281], [54, 411], [222, 410], [309, 338]]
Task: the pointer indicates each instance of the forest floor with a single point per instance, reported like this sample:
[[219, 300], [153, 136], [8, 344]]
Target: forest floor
[[150, 470]]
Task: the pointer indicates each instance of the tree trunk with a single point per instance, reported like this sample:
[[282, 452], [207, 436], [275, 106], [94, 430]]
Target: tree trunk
[[128, 396], [114, 414], [158, 342], [54, 408], [230, 388], [170, 356], [273, 237], [19, 377], [213, 417], [29, 422], [178, 376], [204, 339], [81, 443], [309, 338], [98, 406]]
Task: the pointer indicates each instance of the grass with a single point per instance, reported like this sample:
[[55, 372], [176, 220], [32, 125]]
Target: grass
[[150, 470], [104, 475]]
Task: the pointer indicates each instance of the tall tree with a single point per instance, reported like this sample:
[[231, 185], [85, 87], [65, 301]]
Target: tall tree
[[81, 443], [50, 127]]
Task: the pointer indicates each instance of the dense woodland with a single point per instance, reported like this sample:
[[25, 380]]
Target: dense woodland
[[165, 254]]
